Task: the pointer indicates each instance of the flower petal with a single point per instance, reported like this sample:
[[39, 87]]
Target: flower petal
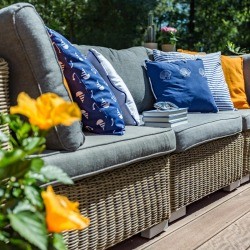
[[47, 111], [26, 106], [62, 214]]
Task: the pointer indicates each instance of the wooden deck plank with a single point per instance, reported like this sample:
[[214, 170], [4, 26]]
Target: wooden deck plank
[[198, 231], [194, 212], [235, 236], [199, 208]]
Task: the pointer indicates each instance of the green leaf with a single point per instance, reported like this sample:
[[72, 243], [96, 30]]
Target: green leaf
[[33, 195], [11, 157], [58, 242], [237, 49], [32, 177], [4, 221], [1, 192], [24, 130], [16, 192], [13, 164], [33, 143], [13, 244], [21, 244], [37, 164], [31, 227], [24, 206], [4, 237], [55, 173]]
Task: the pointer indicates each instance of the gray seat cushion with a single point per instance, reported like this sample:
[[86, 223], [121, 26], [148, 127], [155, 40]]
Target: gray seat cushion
[[104, 152], [34, 68], [245, 113], [129, 65], [202, 128]]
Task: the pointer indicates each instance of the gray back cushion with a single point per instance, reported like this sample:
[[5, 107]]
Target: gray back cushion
[[246, 70], [34, 68], [128, 63]]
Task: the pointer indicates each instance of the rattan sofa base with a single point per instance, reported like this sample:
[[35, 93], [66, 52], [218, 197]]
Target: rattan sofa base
[[246, 153], [4, 98], [120, 203], [202, 170]]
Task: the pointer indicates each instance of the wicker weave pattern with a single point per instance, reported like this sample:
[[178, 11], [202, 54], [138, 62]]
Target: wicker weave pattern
[[205, 169], [246, 153], [4, 97], [120, 203]]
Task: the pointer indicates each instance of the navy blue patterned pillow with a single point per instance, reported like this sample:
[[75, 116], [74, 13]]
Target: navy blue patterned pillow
[[183, 83], [214, 73], [100, 111]]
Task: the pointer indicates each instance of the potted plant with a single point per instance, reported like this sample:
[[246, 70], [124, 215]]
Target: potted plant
[[150, 36], [168, 38]]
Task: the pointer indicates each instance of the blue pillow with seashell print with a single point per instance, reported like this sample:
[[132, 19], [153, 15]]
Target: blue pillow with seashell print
[[183, 83], [101, 113]]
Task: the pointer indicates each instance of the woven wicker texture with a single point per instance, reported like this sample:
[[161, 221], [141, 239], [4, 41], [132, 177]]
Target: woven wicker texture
[[246, 153], [205, 169], [4, 97], [120, 203]]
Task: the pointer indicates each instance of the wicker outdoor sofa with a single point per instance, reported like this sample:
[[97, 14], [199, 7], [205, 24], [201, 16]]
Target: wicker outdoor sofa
[[132, 183]]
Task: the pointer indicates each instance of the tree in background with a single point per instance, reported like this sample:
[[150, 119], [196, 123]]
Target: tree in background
[[208, 25], [202, 24], [115, 23]]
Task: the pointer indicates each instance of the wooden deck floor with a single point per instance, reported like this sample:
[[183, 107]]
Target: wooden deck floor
[[220, 221]]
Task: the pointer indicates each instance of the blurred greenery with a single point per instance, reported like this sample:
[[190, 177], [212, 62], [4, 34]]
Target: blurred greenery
[[202, 25]]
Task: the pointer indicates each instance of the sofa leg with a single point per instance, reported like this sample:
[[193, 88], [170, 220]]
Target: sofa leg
[[178, 214], [232, 186], [245, 178], [153, 231]]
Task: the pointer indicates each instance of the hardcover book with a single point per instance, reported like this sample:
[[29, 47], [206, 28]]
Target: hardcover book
[[157, 112], [169, 118], [165, 124]]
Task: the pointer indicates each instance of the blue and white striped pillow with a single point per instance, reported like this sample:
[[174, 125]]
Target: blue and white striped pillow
[[213, 70]]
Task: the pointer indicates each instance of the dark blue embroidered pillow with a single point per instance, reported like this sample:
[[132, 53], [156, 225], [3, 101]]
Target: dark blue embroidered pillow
[[100, 111], [183, 83]]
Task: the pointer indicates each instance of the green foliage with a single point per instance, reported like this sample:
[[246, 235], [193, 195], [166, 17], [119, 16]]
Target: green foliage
[[202, 25], [22, 212], [31, 227], [208, 25], [112, 23], [235, 50]]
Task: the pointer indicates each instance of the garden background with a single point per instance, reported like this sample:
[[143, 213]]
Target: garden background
[[202, 25]]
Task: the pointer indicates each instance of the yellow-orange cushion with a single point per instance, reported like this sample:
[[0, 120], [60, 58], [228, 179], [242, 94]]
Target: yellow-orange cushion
[[233, 71]]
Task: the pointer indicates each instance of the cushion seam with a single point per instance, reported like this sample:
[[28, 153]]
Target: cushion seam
[[116, 166], [101, 145], [208, 140], [186, 129]]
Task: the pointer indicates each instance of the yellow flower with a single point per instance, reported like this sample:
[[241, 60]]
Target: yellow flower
[[47, 111], [62, 214]]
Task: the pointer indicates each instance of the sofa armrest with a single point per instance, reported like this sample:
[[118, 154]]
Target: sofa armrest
[[246, 71]]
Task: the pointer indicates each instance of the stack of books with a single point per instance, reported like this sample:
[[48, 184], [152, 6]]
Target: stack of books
[[165, 118]]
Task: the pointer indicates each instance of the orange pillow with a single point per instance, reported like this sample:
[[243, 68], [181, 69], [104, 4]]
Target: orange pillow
[[233, 71]]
